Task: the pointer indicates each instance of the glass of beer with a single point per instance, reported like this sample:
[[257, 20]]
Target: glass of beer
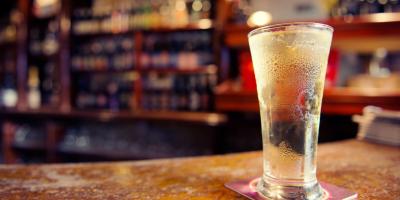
[[290, 62]]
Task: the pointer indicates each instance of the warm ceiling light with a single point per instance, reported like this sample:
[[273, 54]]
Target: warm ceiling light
[[204, 23], [44, 3], [259, 18]]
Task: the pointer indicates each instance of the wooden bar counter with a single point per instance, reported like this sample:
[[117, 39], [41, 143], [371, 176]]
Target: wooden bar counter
[[370, 169]]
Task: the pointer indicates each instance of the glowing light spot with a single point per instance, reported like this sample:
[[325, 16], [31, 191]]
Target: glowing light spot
[[259, 18]]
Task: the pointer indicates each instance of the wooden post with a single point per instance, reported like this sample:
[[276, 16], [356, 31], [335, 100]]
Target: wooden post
[[64, 61], [54, 135], [22, 59], [137, 91], [9, 154]]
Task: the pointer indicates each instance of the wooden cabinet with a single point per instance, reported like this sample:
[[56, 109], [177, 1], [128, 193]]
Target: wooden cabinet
[[351, 34]]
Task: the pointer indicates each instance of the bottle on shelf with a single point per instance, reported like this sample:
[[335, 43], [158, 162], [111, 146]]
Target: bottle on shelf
[[194, 94], [34, 96], [50, 42], [205, 93], [183, 93], [8, 97], [49, 85]]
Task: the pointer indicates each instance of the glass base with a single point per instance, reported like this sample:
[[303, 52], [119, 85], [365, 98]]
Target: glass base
[[248, 188], [281, 190]]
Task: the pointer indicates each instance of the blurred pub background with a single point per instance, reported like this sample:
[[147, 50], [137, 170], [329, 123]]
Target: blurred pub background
[[96, 80]]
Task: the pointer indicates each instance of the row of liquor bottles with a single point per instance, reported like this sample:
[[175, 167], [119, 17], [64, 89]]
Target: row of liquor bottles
[[102, 91], [178, 92], [183, 50], [43, 87], [183, 92], [104, 53], [104, 16]]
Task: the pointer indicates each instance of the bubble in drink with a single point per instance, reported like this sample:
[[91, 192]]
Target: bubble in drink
[[290, 69]]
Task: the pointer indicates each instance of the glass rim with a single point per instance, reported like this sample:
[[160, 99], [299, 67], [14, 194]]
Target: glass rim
[[271, 28]]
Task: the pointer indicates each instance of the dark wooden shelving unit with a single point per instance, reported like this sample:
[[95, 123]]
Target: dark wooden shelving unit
[[140, 71], [65, 111], [377, 29], [363, 33]]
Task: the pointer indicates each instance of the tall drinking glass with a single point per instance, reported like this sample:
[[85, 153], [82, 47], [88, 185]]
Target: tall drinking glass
[[290, 64]]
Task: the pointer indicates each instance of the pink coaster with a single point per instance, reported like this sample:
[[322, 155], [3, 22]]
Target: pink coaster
[[247, 189]]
